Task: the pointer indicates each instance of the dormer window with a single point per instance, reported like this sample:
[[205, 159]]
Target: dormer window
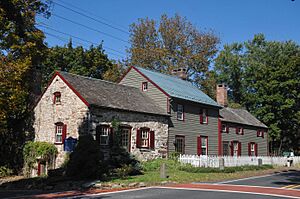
[[144, 86], [57, 98]]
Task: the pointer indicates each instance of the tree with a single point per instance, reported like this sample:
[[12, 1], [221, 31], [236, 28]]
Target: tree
[[173, 43], [92, 62], [21, 51], [230, 68], [264, 77]]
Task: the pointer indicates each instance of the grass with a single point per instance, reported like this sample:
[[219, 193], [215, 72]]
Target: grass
[[186, 173]]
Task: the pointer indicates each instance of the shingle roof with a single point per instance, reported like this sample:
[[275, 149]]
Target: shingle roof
[[107, 94], [240, 116], [177, 87]]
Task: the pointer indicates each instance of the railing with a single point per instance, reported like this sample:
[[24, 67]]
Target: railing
[[232, 161]]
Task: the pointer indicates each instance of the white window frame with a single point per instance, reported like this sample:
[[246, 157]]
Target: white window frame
[[145, 86], [145, 133], [58, 133], [204, 145], [104, 135], [205, 116], [125, 138], [252, 149], [235, 148], [180, 112], [224, 130]]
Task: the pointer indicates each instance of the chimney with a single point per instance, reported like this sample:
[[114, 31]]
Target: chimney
[[181, 73], [222, 95]]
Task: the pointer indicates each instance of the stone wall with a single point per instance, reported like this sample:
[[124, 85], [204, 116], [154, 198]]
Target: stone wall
[[158, 124], [71, 111]]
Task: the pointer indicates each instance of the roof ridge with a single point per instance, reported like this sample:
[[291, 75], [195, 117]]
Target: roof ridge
[[94, 79], [169, 75]]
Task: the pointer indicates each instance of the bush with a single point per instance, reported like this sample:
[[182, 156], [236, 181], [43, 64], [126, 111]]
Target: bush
[[34, 150], [86, 161], [5, 171]]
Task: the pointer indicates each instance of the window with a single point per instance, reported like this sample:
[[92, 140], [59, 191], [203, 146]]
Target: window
[[236, 148], [180, 114], [226, 148], [57, 98], [252, 149], [125, 138], [202, 145], [225, 128], [260, 133], [144, 137], [239, 131], [179, 144], [102, 134], [144, 86], [203, 116], [60, 132]]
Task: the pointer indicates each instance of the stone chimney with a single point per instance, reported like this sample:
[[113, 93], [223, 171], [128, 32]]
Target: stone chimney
[[222, 95], [181, 73]]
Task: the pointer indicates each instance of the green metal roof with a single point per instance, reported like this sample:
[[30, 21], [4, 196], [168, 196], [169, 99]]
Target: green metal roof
[[177, 87]]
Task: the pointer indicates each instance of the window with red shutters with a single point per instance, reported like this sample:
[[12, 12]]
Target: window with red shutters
[[225, 128], [236, 148], [260, 133], [60, 132], [145, 138], [239, 131]]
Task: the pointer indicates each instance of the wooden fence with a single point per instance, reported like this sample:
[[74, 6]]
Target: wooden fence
[[232, 161]]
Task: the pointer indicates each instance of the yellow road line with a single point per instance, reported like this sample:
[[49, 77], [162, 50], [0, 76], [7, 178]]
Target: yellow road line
[[288, 186], [292, 186]]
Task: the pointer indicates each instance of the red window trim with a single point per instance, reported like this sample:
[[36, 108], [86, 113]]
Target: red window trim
[[262, 133], [64, 133], [239, 147], [55, 95], [226, 128], [199, 144], [151, 143], [237, 130], [255, 148]]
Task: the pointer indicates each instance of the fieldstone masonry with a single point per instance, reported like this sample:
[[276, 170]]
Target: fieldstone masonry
[[80, 118]]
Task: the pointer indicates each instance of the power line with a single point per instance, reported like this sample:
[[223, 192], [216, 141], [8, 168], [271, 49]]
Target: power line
[[93, 29], [92, 18], [63, 39], [84, 40]]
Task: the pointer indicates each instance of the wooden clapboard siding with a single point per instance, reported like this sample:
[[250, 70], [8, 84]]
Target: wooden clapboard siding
[[191, 127], [250, 135], [135, 79]]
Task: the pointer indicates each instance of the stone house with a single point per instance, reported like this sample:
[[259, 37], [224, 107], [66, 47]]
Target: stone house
[[158, 114]]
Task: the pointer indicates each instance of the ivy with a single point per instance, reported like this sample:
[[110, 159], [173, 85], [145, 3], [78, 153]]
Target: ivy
[[37, 150]]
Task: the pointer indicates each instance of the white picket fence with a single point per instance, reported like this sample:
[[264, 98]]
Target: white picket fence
[[232, 161]]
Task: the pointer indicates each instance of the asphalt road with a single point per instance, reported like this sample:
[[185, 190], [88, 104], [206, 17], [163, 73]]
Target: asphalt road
[[163, 193], [290, 179]]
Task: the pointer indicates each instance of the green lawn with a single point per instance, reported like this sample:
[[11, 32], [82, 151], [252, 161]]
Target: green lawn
[[185, 173]]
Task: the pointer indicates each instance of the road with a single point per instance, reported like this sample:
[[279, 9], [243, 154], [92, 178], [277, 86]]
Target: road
[[278, 185]]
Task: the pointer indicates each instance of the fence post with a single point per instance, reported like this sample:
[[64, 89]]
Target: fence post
[[221, 163], [163, 170], [259, 162]]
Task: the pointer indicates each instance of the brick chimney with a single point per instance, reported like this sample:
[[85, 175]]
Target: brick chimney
[[222, 95], [181, 73]]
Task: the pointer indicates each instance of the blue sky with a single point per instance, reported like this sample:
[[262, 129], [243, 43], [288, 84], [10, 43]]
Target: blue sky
[[231, 20]]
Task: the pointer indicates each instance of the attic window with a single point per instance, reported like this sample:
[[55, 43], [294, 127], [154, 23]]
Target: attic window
[[180, 113], [260, 133], [57, 98], [203, 116], [239, 131], [144, 86], [225, 128]]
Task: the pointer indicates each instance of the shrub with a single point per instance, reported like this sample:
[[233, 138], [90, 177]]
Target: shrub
[[34, 150], [5, 171], [86, 161]]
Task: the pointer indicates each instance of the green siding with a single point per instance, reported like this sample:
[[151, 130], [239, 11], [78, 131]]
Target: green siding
[[191, 127], [249, 136], [135, 79]]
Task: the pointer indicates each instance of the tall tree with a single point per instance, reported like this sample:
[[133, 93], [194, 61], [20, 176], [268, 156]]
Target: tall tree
[[21, 46], [264, 77], [170, 44], [230, 68]]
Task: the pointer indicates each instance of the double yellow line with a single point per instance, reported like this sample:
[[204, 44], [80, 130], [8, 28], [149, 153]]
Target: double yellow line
[[292, 186]]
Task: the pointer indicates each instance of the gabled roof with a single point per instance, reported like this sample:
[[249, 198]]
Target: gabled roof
[[111, 95], [240, 116], [176, 87]]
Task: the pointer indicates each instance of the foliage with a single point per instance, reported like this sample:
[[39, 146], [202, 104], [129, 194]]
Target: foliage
[[263, 76], [86, 161], [170, 44], [5, 171], [37, 150], [92, 62], [21, 52]]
